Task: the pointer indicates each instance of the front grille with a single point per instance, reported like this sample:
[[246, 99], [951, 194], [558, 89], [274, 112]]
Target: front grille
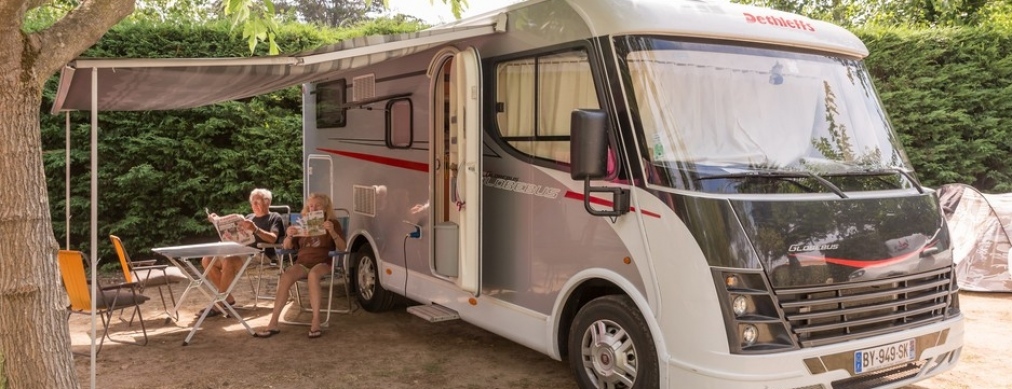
[[835, 313]]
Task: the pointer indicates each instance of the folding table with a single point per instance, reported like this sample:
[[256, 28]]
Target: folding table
[[181, 256]]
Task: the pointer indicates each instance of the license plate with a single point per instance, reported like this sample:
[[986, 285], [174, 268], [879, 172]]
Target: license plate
[[884, 356]]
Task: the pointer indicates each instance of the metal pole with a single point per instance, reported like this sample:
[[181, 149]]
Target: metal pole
[[66, 182], [94, 215]]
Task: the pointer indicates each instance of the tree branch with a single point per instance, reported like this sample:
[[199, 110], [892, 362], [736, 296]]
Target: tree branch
[[75, 33]]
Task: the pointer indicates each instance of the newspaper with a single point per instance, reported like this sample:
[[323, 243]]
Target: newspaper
[[310, 224], [230, 229]]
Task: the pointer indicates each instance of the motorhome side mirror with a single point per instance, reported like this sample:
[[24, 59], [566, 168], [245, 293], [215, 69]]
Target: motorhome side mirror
[[588, 144]]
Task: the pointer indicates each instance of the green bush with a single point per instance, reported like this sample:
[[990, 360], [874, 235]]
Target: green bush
[[948, 95]]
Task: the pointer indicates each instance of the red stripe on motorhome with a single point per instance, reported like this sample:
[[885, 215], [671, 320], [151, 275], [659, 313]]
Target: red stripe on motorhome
[[864, 264], [404, 164], [606, 203]]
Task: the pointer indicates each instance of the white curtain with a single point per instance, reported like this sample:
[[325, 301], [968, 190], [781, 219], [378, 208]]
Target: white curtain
[[564, 82], [696, 110]]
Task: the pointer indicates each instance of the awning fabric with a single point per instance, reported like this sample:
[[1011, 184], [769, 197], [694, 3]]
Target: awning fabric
[[128, 84]]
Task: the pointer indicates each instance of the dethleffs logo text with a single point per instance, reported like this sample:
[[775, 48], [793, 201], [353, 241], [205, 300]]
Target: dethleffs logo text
[[778, 21]]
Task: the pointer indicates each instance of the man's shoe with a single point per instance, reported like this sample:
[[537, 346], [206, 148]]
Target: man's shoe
[[214, 312]]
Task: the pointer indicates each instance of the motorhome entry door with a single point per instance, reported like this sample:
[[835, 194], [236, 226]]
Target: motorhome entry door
[[470, 165], [457, 167]]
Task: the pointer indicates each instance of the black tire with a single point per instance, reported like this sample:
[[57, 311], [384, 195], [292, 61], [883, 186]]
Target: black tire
[[371, 295], [612, 320]]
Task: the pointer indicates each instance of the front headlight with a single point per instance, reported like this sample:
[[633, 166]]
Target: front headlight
[[753, 321], [749, 334], [739, 306]]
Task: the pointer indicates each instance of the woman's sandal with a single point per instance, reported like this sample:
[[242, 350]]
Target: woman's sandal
[[315, 334], [266, 334]]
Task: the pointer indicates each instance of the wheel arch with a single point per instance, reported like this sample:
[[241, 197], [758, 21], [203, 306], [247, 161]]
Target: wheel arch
[[360, 239], [356, 242], [586, 286]]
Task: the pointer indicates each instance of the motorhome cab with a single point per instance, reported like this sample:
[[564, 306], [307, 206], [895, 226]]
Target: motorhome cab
[[690, 194]]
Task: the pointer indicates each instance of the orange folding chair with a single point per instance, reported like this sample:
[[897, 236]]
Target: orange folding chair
[[109, 299], [148, 274]]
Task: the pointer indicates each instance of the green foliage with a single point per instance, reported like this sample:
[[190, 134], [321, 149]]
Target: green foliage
[[257, 19], [998, 15], [176, 11], [385, 26], [331, 13], [948, 96], [42, 17]]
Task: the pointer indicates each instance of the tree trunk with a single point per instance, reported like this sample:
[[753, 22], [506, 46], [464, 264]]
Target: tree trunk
[[34, 334]]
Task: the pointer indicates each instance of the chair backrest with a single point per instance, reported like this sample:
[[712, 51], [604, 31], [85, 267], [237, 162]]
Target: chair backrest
[[343, 217], [285, 212], [74, 279], [124, 258]]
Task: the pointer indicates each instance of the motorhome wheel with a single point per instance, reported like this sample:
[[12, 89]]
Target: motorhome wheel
[[610, 346], [371, 295]]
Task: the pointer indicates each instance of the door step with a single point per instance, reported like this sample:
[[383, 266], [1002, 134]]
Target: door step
[[433, 313]]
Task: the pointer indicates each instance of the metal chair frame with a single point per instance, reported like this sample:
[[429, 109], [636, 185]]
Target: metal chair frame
[[264, 261], [132, 271]]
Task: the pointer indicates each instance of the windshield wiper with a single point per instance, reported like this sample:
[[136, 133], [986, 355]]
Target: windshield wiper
[[881, 171], [779, 174]]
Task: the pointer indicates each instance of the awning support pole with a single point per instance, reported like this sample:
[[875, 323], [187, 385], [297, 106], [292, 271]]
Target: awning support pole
[[66, 183], [94, 215]]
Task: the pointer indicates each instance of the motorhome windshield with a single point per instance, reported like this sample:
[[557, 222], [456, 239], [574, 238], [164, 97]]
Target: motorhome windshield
[[711, 117]]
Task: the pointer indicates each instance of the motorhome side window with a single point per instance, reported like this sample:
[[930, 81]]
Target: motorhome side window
[[398, 124], [535, 97], [330, 99]]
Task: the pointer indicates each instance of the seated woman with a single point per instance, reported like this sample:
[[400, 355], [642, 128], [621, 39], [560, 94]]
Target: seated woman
[[313, 261]]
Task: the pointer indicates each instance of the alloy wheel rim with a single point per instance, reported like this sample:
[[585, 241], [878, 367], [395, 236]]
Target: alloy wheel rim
[[609, 355], [366, 278]]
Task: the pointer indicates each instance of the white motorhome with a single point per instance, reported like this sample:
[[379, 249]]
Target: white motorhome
[[669, 193]]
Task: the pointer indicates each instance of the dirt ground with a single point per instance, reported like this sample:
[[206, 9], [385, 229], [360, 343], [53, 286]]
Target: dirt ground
[[395, 349]]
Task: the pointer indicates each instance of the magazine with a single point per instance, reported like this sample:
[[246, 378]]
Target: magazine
[[310, 224], [229, 229]]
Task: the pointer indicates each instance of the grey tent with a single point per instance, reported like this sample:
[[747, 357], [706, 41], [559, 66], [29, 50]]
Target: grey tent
[[980, 225]]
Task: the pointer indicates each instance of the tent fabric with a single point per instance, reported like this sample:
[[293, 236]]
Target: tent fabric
[[980, 226], [176, 83]]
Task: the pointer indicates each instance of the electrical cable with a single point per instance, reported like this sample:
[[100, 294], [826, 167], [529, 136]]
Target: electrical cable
[[405, 247]]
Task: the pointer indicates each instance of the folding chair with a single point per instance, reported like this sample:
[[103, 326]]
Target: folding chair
[[339, 270], [147, 274], [110, 298], [267, 251]]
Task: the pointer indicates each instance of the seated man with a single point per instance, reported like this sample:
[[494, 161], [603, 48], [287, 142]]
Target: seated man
[[267, 227]]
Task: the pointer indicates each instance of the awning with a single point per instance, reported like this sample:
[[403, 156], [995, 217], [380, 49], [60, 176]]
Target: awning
[[140, 84]]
